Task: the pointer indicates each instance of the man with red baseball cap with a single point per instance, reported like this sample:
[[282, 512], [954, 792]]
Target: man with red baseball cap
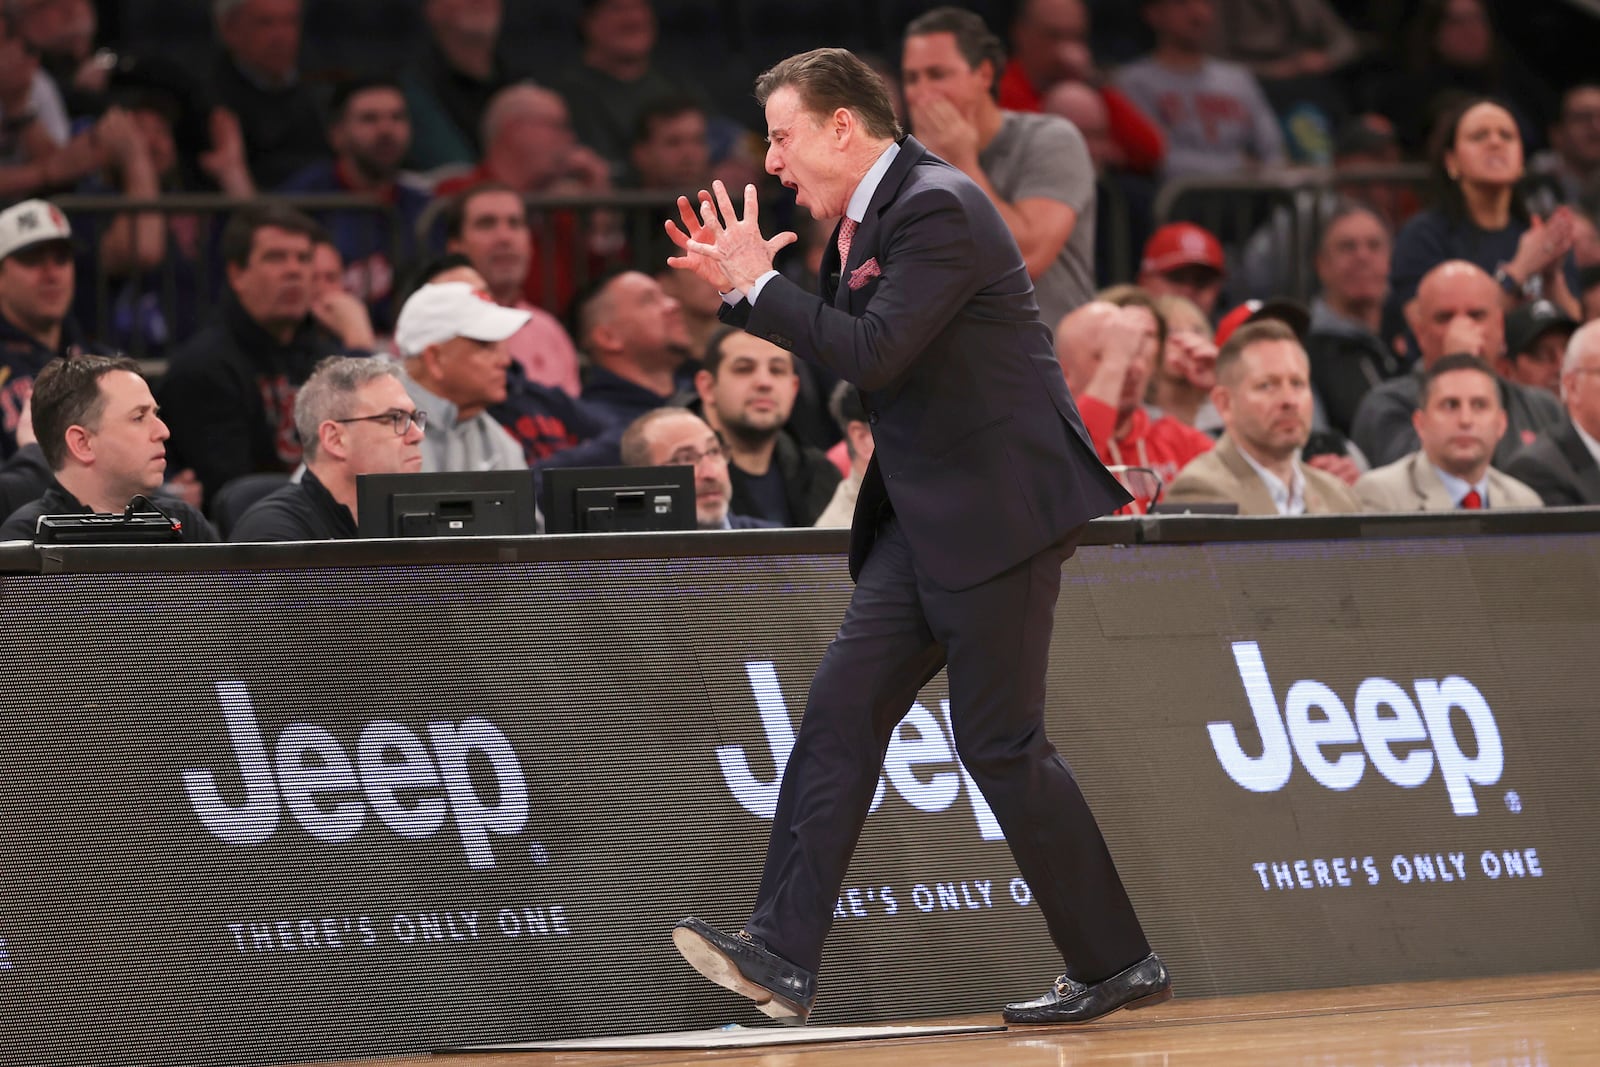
[[1182, 259]]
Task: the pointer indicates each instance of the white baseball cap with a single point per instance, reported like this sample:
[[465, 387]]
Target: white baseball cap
[[30, 223], [438, 313]]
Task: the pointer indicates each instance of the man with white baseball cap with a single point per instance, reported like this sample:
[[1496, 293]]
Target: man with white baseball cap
[[453, 341], [36, 288]]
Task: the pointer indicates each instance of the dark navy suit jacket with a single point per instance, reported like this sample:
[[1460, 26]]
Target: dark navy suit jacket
[[979, 448], [1557, 466]]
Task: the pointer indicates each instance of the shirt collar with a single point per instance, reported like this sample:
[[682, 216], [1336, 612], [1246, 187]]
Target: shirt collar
[[1288, 499], [1459, 488], [1588, 442], [857, 208], [441, 412]]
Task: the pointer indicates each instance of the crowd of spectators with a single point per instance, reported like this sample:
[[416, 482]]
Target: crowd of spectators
[[455, 260]]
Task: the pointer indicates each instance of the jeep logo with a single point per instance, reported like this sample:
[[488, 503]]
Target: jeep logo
[[1385, 715], [412, 785]]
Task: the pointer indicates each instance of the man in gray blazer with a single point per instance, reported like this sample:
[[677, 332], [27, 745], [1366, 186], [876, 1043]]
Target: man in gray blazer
[[981, 481], [1563, 465], [1459, 420], [1263, 394]]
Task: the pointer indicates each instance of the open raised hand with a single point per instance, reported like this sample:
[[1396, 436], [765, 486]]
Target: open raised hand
[[727, 251]]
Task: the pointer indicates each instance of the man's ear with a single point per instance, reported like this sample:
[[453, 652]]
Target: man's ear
[[432, 359], [1222, 400], [331, 440], [80, 444], [704, 382]]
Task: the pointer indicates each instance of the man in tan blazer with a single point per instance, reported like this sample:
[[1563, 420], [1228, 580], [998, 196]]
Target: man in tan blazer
[[1459, 420], [1263, 394]]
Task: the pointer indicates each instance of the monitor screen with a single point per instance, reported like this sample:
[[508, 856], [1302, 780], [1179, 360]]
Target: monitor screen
[[446, 504], [618, 499]]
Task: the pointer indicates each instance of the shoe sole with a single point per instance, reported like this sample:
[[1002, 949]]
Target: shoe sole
[[1151, 1001], [716, 967]]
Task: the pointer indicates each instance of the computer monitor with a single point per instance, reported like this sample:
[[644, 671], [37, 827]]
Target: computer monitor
[[447, 504], [617, 499]]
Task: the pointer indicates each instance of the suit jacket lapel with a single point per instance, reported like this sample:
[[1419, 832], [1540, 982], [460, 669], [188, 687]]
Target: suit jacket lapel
[[1429, 489], [1254, 497], [1577, 453], [864, 245]]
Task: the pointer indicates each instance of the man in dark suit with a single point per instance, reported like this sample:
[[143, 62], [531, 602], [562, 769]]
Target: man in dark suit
[[982, 480], [1563, 464]]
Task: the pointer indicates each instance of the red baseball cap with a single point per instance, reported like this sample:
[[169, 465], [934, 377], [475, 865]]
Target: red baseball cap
[[1181, 244], [1291, 313]]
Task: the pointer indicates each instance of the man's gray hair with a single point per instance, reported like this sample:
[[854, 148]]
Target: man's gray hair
[[327, 394], [1584, 337]]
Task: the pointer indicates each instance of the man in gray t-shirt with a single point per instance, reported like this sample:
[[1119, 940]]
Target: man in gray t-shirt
[[1036, 168]]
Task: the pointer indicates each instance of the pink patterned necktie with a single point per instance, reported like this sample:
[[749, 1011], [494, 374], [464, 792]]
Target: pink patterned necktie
[[847, 230]]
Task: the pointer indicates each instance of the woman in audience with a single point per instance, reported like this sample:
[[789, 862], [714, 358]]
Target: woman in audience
[[1478, 215]]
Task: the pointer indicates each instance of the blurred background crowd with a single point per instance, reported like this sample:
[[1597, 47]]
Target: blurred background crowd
[[231, 191]]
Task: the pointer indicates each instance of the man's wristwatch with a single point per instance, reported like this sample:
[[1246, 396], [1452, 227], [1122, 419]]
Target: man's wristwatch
[[1512, 288]]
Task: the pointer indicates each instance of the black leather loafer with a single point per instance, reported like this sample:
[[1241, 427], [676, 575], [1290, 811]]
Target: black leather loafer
[[1140, 986], [741, 963]]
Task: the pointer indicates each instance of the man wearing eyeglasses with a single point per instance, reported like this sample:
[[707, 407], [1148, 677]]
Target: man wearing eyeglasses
[[453, 340], [36, 287], [673, 437], [354, 417]]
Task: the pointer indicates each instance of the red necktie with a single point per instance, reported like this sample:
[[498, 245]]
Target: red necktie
[[847, 230], [1472, 501]]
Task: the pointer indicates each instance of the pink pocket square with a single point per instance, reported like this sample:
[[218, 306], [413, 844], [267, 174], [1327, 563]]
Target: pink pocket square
[[864, 273]]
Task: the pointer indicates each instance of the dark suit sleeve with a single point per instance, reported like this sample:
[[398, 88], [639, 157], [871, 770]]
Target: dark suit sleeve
[[23, 479], [1383, 429], [1535, 469], [928, 261], [22, 523]]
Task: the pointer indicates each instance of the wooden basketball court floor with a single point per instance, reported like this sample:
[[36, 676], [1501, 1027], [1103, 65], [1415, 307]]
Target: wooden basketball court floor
[[1517, 1021]]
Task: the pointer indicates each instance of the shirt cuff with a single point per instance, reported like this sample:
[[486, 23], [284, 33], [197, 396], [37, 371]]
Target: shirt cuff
[[733, 296]]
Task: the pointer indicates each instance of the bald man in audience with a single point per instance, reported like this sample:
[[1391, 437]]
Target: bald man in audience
[[1457, 310], [1108, 351], [672, 437], [1084, 108], [1563, 464]]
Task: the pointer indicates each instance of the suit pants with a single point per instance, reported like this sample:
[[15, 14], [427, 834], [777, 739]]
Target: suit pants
[[898, 631]]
